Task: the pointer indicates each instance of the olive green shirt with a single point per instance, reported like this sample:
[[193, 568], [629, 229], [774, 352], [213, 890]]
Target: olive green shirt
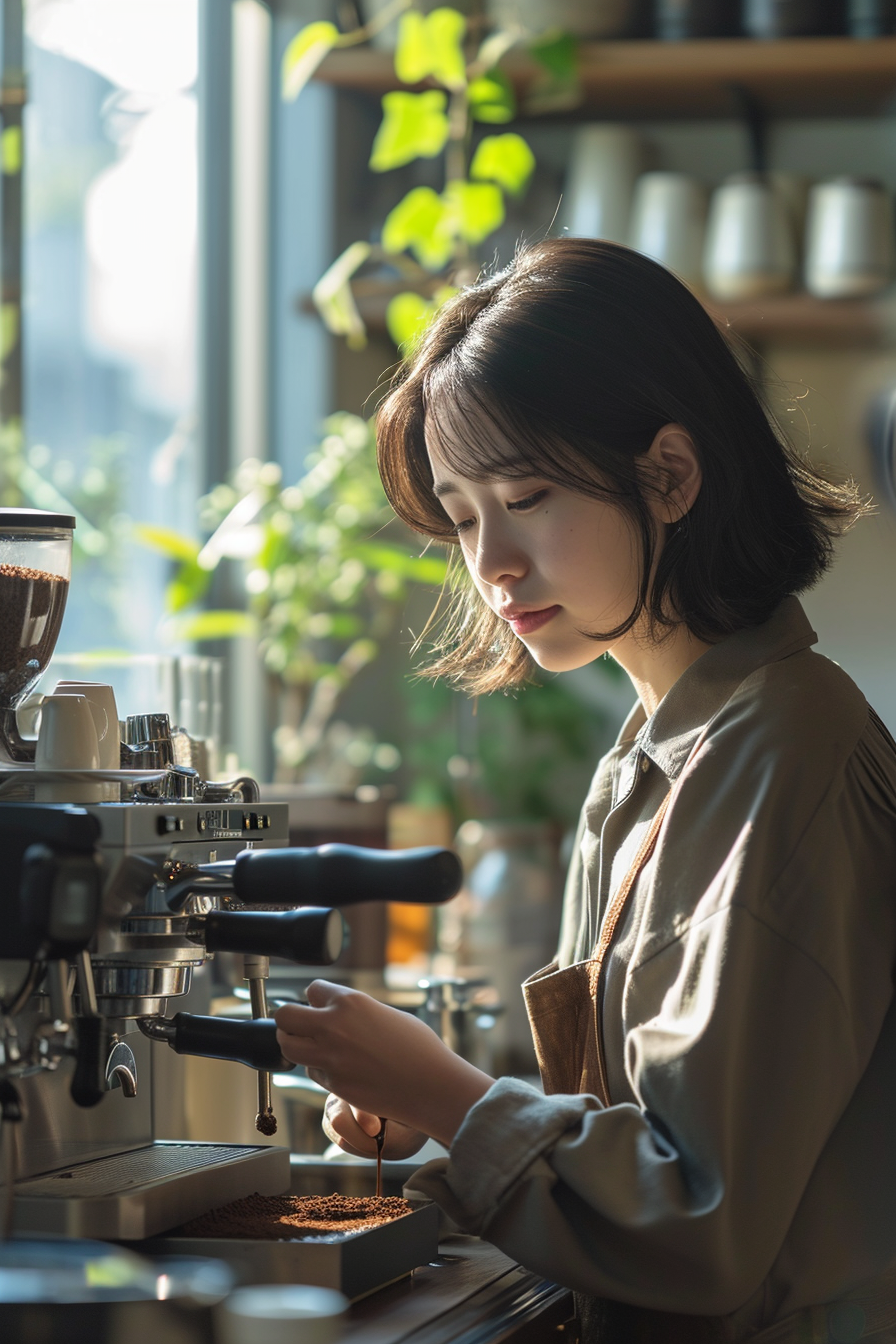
[[747, 1165]]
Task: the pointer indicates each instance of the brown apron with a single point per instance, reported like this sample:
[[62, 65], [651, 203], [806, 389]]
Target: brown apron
[[564, 1008]]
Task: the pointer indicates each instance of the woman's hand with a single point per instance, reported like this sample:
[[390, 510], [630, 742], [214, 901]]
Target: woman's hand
[[355, 1131], [379, 1059]]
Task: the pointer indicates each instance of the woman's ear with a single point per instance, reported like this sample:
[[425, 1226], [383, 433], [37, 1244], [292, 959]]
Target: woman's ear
[[676, 472]]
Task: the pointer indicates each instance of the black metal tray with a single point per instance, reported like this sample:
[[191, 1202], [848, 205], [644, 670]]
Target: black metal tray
[[355, 1263]]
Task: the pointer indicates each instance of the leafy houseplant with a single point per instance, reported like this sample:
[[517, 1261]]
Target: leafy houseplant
[[429, 238], [325, 570]]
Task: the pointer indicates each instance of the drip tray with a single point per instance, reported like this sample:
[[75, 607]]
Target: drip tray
[[354, 1263], [130, 1196]]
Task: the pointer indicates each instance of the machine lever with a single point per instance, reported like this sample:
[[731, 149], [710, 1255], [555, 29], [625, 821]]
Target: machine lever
[[311, 937], [346, 875], [243, 1041]]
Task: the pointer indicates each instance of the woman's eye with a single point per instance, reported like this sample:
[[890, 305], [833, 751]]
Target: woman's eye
[[462, 526], [520, 505]]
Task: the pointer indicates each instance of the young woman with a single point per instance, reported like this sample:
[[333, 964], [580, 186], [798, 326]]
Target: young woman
[[712, 1158]]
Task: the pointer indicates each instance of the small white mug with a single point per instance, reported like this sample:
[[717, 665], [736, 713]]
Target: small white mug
[[67, 738], [750, 249], [105, 714], [604, 164], [849, 238], [668, 223]]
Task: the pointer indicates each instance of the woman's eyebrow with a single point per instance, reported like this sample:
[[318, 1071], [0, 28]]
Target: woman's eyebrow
[[514, 469]]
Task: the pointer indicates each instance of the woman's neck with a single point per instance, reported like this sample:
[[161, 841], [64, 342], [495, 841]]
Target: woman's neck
[[654, 667]]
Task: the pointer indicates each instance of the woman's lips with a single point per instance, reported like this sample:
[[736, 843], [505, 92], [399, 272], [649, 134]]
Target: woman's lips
[[529, 621]]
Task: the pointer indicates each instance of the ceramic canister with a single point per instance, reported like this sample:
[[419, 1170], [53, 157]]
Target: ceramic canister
[[668, 223], [849, 238], [749, 249]]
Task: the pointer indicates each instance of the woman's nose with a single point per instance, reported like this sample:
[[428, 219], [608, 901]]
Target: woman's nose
[[498, 557]]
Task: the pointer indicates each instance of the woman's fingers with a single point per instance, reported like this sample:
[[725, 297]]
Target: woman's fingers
[[368, 1122], [347, 1126], [341, 1128]]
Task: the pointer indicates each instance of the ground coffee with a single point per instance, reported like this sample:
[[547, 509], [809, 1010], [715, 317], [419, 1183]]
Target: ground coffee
[[284, 1217], [31, 607]]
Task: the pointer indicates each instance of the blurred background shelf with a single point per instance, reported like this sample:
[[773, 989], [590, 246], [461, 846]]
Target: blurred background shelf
[[800, 319], [819, 76], [786, 319]]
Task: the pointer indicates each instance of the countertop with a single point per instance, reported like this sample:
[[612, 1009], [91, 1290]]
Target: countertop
[[472, 1294]]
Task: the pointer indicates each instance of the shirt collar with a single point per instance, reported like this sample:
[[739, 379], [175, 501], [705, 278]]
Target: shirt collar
[[668, 736]]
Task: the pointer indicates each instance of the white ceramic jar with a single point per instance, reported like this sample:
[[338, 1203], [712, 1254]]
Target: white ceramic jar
[[750, 249], [849, 238]]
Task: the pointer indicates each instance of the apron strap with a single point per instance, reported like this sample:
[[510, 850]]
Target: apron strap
[[608, 929]]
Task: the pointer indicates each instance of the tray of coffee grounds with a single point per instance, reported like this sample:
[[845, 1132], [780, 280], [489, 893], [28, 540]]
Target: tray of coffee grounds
[[355, 1244]]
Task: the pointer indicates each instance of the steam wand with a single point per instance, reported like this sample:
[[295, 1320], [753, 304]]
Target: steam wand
[[256, 970]]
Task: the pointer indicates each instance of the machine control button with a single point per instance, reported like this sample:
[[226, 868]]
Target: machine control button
[[201, 824], [167, 825]]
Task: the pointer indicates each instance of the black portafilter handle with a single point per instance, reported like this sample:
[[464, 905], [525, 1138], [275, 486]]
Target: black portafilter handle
[[310, 936], [249, 1041], [88, 1085], [346, 875]]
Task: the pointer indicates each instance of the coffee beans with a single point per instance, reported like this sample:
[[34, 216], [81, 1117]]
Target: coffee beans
[[31, 607]]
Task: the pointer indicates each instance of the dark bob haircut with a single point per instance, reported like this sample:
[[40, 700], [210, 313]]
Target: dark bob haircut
[[576, 355]]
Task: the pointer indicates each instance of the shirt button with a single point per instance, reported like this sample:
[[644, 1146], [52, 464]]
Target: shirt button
[[645, 764]]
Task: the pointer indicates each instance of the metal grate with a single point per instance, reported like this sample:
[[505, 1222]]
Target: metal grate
[[123, 1171]]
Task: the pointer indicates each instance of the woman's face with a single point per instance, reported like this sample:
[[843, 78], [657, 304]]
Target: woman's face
[[552, 563]]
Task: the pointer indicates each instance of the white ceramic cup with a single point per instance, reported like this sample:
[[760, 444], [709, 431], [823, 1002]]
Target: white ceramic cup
[[604, 164], [67, 739], [849, 238], [101, 698], [749, 249], [668, 223], [287, 1313]]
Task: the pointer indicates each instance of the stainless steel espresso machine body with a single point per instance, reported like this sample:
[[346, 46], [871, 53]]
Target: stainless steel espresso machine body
[[107, 909]]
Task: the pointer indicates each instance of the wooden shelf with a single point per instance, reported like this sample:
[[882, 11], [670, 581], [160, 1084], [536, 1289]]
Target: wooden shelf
[[819, 76], [795, 319], [801, 320]]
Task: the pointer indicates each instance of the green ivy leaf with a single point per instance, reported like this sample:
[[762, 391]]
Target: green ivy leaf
[[9, 328], [505, 159], [11, 150], [414, 126], [412, 49], [188, 586], [431, 44], [303, 55], [334, 299], [211, 625], [407, 317], [477, 209], [445, 30], [418, 224], [558, 86], [167, 541], [491, 98], [557, 52], [421, 568]]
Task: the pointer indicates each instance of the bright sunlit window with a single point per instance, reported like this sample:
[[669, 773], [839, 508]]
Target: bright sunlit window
[[110, 293]]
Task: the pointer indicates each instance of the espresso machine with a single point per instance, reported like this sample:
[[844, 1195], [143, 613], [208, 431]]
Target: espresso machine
[[116, 886]]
